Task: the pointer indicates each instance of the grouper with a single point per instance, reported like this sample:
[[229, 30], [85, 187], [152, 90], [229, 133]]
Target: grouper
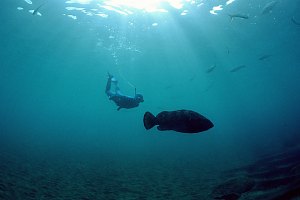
[[185, 121]]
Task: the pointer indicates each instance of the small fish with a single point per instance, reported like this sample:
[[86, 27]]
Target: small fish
[[227, 50], [211, 68], [35, 11], [232, 16], [295, 22], [235, 69], [264, 57], [268, 7], [168, 87], [184, 121], [193, 77]]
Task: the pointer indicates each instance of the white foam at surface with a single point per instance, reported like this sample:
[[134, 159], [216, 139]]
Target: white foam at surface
[[28, 1], [72, 17], [74, 8], [102, 15]]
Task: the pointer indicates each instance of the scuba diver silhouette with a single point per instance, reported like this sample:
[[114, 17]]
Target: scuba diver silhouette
[[122, 101]]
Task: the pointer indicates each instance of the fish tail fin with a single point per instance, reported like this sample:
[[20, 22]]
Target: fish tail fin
[[149, 120]]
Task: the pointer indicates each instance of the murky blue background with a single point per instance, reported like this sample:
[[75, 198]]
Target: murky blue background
[[54, 111]]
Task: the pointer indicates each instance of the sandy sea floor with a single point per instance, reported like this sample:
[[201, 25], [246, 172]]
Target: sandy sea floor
[[23, 177]]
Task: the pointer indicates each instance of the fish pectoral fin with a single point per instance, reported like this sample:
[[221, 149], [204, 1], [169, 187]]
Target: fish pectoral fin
[[119, 108], [161, 128]]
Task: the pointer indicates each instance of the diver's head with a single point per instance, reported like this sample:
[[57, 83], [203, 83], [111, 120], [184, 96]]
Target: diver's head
[[139, 97]]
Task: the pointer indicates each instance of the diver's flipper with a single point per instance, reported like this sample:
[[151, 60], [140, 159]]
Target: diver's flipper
[[109, 75]]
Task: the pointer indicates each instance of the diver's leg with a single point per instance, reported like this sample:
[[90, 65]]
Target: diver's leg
[[118, 91], [108, 85]]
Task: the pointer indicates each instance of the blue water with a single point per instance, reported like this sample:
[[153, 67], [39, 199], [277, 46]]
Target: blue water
[[61, 137]]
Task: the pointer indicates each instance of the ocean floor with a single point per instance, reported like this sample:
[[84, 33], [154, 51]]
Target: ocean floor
[[271, 177], [275, 177]]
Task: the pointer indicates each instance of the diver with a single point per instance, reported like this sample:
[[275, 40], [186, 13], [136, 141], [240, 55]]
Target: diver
[[122, 101]]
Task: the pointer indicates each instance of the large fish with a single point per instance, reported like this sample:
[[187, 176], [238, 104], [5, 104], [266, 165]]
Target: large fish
[[185, 121]]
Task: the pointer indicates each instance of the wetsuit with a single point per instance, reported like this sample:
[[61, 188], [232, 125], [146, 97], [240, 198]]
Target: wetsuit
[[122, 101]]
